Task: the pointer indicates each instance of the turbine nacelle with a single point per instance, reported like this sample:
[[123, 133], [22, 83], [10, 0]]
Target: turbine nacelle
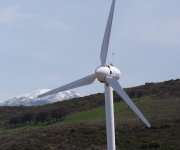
[[110, 71]]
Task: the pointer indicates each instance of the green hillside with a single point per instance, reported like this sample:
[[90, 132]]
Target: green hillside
[[84, 126]]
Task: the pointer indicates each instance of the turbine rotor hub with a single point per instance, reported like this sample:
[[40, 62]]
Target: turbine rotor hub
[[102, 72]]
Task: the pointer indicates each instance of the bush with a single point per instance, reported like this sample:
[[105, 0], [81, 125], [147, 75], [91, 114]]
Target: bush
[[154, 144], [144, 146], [168, 125], [139, 94], [15, 120], [172, 148], [131, 94]]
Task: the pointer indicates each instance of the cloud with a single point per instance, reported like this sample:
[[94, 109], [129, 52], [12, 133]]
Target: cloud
[[10, 15], [54, 23]]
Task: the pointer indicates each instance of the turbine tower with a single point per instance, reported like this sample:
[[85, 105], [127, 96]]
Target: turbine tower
[[108, 75]]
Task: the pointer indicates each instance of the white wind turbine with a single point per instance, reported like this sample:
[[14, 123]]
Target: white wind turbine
[[109, 76]]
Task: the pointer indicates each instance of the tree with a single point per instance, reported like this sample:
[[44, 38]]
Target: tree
[[41, 116], [27, 117], [59, 113]]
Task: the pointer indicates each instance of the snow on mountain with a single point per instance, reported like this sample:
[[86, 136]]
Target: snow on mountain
[[31, 99]]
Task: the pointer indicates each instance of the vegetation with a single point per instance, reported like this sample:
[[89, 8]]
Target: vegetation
[[41, 116], [80, 123]]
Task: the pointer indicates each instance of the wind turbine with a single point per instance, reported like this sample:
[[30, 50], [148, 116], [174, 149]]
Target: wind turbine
[[108, 75]]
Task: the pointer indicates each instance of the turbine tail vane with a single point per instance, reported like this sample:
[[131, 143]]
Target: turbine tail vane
[[105, 44]]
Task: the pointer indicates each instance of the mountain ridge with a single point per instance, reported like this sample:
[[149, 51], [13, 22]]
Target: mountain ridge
[[30, 99]]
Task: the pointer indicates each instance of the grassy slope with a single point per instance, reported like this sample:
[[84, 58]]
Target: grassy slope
[[86, 129], [84, 116]]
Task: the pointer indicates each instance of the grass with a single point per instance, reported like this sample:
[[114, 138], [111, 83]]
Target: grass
[[26, 126], [75, 118], [86, 129], [97, 112], [84, 116]]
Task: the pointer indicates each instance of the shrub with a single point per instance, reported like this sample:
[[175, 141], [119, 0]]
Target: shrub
[[139, 94], [131, 94], [15, 120], [154, 144], [144, 146], [168, 125], [172, 147]]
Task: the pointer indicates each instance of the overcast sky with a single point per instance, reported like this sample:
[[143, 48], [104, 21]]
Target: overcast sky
[[46, 44]]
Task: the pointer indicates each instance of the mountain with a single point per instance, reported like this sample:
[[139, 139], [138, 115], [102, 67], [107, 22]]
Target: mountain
[[31, 99]]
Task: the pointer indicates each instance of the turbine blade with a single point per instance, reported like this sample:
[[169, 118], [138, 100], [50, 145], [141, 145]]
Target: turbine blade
[[81, 82], [105, 44], [116, 86]]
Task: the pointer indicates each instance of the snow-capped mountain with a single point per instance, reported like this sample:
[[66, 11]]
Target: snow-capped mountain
[[31, 99]]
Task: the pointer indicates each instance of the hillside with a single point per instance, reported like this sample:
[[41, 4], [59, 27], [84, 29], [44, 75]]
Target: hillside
[[84, 127]]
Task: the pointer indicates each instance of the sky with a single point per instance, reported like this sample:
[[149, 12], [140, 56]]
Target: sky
[[46, 44]]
